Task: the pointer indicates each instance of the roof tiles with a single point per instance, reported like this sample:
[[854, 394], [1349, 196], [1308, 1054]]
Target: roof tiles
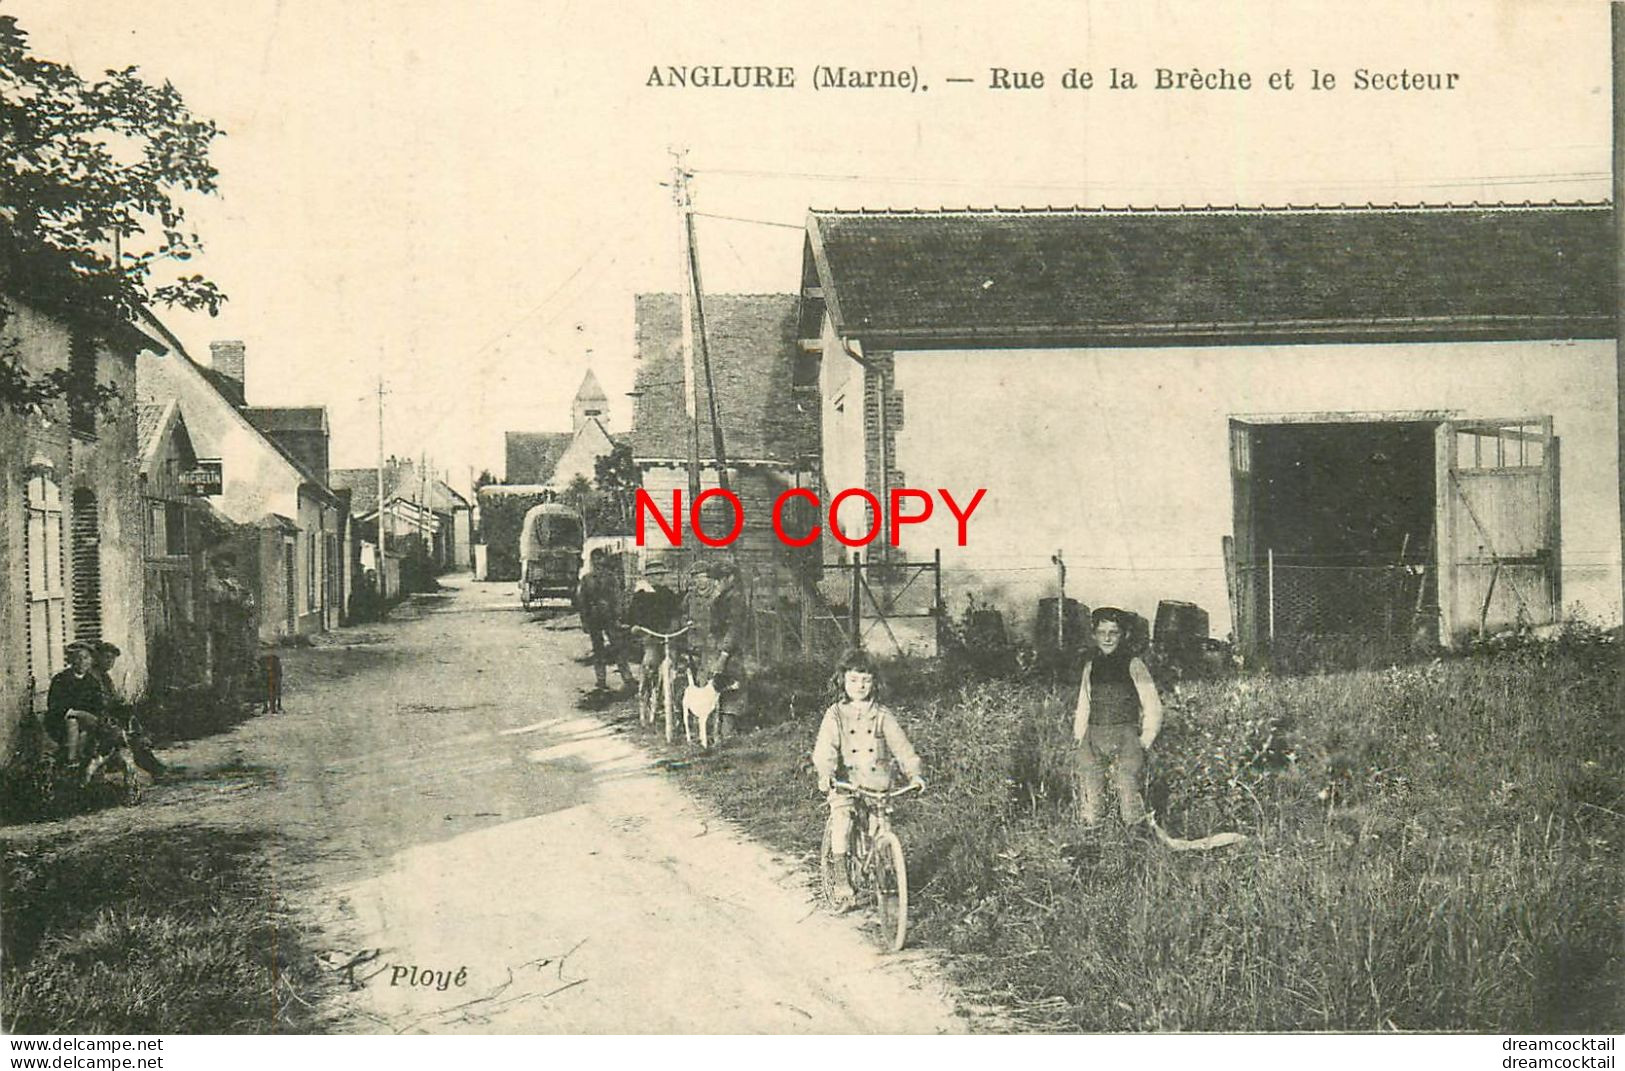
[[1082, 271]]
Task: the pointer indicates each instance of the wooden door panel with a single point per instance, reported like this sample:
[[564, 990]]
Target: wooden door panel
[[1505, 511], [1497, 505]]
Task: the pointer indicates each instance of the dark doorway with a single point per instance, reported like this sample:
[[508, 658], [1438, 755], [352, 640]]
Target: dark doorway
[[1342, 529]]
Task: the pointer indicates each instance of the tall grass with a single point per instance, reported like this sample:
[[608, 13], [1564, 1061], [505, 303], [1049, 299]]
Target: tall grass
[[1434, 847], [177, 932]]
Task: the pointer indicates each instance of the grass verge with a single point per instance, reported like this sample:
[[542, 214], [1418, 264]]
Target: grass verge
[[1434, 848], [178, 932]]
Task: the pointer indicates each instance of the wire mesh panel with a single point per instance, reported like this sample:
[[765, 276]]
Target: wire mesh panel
[[1324, 600]]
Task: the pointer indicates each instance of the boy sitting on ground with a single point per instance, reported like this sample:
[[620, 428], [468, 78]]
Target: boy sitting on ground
[[75, 703]]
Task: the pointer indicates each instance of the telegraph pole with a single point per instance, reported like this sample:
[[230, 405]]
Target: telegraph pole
[[382, 540], [1617, 13], [679, 187], [694, 339]]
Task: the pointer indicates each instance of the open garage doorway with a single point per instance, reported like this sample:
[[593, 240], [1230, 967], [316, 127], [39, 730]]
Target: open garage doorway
[[1392, 530], [1344, 517]]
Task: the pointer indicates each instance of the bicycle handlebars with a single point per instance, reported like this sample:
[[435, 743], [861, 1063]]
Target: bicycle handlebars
[[847, 786], [661, 635]]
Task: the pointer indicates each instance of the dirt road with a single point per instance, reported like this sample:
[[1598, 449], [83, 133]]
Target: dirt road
[[468, 821]]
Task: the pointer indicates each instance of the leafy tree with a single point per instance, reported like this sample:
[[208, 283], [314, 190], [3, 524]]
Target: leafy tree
[[91, 173], [616, 475], [485, 477], [579, 494]]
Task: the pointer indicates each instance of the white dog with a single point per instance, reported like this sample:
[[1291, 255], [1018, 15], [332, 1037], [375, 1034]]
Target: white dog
[[700, 705]]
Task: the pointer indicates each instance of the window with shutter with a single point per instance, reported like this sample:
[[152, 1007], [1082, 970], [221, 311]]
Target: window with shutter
[[42, 548], [87, 566], [82, 388]]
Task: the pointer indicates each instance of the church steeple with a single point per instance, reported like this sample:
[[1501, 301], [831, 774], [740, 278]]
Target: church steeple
[[591, 401]]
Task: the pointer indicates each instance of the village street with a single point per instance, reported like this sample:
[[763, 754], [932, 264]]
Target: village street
[[447, 804]]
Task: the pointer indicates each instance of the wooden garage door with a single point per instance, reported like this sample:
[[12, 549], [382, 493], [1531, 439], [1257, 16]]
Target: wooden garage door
[[1498, 524]]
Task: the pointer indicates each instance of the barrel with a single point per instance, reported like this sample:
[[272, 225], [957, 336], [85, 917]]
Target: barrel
[[1181, 626], [1045, 633]]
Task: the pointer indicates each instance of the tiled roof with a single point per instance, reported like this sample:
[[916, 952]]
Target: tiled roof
[[148, 415], [753, 350], [400, 481], [49, 280], [445, 497], [531, 456], [363, 487], [297, 418], [1132, 275], [229, 389]]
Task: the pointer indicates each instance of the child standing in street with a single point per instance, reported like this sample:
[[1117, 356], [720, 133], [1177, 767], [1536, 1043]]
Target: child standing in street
[[599, 597], [858, 742]]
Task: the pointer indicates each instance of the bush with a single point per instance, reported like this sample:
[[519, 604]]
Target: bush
[[179, 714]]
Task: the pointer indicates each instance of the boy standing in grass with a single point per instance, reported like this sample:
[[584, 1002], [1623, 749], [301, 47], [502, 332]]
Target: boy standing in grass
[[857, 743], [1117, 720]]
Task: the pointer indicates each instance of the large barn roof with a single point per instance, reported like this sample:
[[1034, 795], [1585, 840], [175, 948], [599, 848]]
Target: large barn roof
[[1137, 276]]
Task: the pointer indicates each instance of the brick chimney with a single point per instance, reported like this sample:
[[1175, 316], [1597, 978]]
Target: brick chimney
[[229, 358]]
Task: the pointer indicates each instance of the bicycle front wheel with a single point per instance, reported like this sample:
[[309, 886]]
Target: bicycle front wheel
[[668, 697], [827, 874], [890, 877]]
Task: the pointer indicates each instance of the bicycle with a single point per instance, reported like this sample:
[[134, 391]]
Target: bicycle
[[108, 744], [661, 689], [874, 859]]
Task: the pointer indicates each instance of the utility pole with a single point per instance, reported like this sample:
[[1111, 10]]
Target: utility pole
[[694, 339], [679, 188], [1617, 11], [1060, 608], [382, 542]]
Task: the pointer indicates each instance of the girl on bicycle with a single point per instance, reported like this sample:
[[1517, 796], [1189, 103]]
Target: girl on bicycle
[[858, 742]]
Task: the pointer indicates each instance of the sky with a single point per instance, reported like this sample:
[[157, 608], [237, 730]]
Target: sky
[[463, 198]]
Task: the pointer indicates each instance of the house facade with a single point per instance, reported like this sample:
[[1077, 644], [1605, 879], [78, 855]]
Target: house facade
[[70, 535], [419, 505], [198, 617], [300, 556], [1304, 421], [302, 433]]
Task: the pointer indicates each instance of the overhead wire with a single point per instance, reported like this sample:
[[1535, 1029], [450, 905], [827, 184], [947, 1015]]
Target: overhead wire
[[490, 350], [915, 180], [747, 219]]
